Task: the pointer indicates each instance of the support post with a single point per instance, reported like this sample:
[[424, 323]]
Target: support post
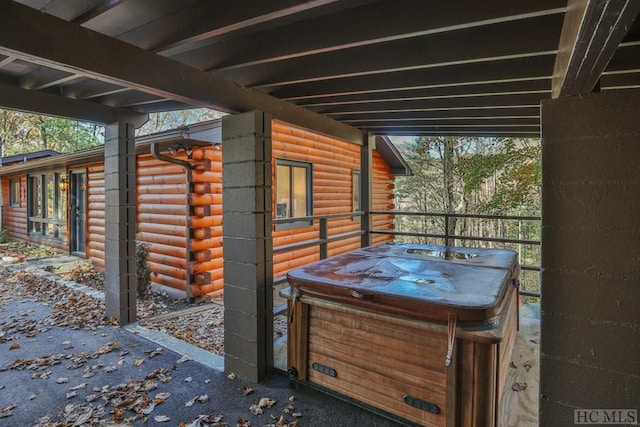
[[248, 246], [366, 186], [120, 222]]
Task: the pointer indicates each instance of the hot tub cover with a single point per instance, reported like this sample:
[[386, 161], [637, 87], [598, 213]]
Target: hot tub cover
[[427, 282]]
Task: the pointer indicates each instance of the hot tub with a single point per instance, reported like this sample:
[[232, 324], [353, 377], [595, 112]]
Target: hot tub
[[423, 333]]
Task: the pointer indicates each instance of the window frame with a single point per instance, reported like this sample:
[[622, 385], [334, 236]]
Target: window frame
[[356, 198], [308, 167], [14, 193], [47, 206]]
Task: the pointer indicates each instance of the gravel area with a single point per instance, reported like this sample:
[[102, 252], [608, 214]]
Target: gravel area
[[199, 324]]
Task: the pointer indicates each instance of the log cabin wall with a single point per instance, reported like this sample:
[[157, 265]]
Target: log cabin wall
[[162, 219], [333, 164], [95, 215], [14, 218]]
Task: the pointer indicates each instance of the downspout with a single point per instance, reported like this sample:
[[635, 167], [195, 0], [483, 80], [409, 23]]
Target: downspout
[[155, 151]]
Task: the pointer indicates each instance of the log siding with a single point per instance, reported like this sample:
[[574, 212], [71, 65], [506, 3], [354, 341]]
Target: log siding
[[333, 163], [170, 211]]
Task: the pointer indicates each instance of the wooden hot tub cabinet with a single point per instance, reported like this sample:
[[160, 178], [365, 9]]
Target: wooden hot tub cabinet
[[392, 355]]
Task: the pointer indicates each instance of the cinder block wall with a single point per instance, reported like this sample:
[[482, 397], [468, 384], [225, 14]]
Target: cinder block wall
[[590, 354]]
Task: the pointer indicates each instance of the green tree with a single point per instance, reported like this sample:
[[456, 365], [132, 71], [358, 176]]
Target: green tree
[[159, 122], [24, 132]]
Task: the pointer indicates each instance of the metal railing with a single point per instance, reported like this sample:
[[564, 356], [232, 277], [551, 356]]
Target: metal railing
[[445, 236]]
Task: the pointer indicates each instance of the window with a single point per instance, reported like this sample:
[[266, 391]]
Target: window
[[293, 191], [355, 192], [47, 206], [14, 189]]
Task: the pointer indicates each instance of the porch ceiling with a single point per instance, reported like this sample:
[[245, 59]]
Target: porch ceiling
[[412, 67]]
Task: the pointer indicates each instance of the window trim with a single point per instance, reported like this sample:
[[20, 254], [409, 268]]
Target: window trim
[[309, 194], [59, 213], [14, 194]]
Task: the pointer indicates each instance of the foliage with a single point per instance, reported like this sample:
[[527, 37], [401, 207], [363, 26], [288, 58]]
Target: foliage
[[472, 175], [24, 133], [143, 270], [159, 122], [515, 164], [3, 236]]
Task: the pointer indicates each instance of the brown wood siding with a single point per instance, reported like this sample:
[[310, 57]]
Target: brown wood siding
[[163, 218], [333, 162], [14, 218], [95, 215]]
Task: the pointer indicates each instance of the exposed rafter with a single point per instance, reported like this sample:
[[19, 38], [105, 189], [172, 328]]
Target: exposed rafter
[[53, 105], [226, 20], [98, 10], [106, 59], [591, 33], [353, 29]]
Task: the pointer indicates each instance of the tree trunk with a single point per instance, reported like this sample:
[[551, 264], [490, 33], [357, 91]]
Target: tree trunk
[[449, 186]]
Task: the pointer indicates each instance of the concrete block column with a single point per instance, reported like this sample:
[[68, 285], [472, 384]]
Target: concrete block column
[[590, 254], [248, 246], [120, 222]]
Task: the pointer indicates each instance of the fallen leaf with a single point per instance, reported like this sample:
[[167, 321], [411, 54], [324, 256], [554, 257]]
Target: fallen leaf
[[62, 380], [161, 397], [243, 423], [78, 387], [265, 402], [184, 358], [32, 396], [138, 362], [246, 390], [161, 418], [154, 353], [14, 346], [6, 411], [231, 376], [72, 394], [256, 409], [187, 380], [147, 410]]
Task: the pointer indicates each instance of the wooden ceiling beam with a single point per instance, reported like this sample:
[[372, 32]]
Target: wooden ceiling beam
[[93, 55], [96, 11], [525, 39], [591, 33], [223, 20], [352, 28], [440, 92], [440, 103], [15, 98], [459, 75]]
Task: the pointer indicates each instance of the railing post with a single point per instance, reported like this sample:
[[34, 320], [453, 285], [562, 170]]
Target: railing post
[[323, 238], [447, 240], [366, 184]]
